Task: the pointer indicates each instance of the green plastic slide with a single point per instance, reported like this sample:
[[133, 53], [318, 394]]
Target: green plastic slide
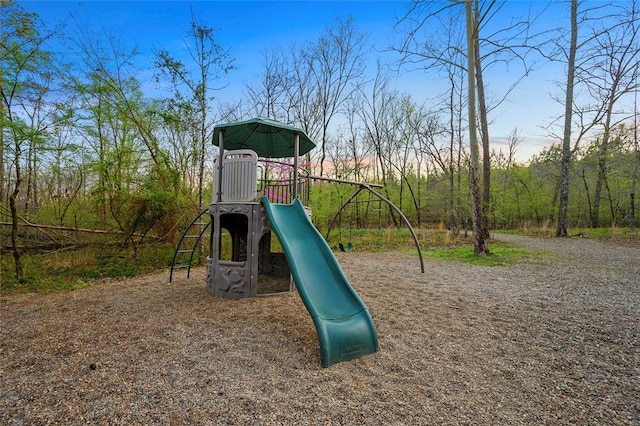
[[345, 328]]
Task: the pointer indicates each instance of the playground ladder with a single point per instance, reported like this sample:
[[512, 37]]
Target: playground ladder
[[193, 233]]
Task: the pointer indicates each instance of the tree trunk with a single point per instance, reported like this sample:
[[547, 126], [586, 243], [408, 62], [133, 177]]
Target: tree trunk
[[586, 189], [634, 176], [484, 132], [323, 156], [561, 230], [14, 216], [602, 157], [453, 225], [479, 242], [612, 205], [597, 194], [632, 195]]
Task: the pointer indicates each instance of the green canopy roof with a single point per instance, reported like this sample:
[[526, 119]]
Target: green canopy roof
[[268, 138]]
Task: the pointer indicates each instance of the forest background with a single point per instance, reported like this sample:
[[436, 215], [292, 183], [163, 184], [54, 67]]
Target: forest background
[[92, 160]]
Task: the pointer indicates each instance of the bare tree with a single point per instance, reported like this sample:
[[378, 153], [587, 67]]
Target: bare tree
[[268, 98], [513, 141], [303, 104], [336, 63], [378, 114], [311, 84], [602, 63], [563, 208], [431, 147], [510, 44], [615, 73], [636, 163], [358, 150], [479, 242], [411, 118]]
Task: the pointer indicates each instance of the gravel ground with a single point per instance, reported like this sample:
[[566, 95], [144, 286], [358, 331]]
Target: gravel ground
[[553, 342]]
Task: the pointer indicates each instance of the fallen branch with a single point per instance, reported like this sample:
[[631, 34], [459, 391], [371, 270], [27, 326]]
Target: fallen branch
[[64, 228]]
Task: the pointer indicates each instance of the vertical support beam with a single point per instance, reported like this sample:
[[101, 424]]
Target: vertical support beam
[[296, 154], [220, 157]]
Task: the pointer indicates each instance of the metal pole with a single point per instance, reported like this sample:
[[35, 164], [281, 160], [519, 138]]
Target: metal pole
[[296, 153], [350, 182]]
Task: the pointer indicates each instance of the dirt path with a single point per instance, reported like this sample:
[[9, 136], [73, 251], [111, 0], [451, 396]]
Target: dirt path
[[554, 341]]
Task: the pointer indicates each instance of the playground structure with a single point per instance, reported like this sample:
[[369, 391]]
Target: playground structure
[[247, 267]]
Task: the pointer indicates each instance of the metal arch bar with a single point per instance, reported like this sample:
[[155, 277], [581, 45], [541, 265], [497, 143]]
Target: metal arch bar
[[404, 218], [193, 249], [393, 206], [350, 182]]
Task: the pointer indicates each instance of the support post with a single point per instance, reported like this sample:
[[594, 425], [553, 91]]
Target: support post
[[296, 153], [220, 157]]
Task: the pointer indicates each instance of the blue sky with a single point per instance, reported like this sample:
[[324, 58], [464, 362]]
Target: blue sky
[[247, 28]]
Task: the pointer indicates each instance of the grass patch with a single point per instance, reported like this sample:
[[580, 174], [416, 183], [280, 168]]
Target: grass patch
[[435, 244], [502, 254], [613, 234], [66, 270], [386, 239]]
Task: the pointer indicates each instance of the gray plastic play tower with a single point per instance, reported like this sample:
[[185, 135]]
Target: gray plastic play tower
[[249, 267]]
